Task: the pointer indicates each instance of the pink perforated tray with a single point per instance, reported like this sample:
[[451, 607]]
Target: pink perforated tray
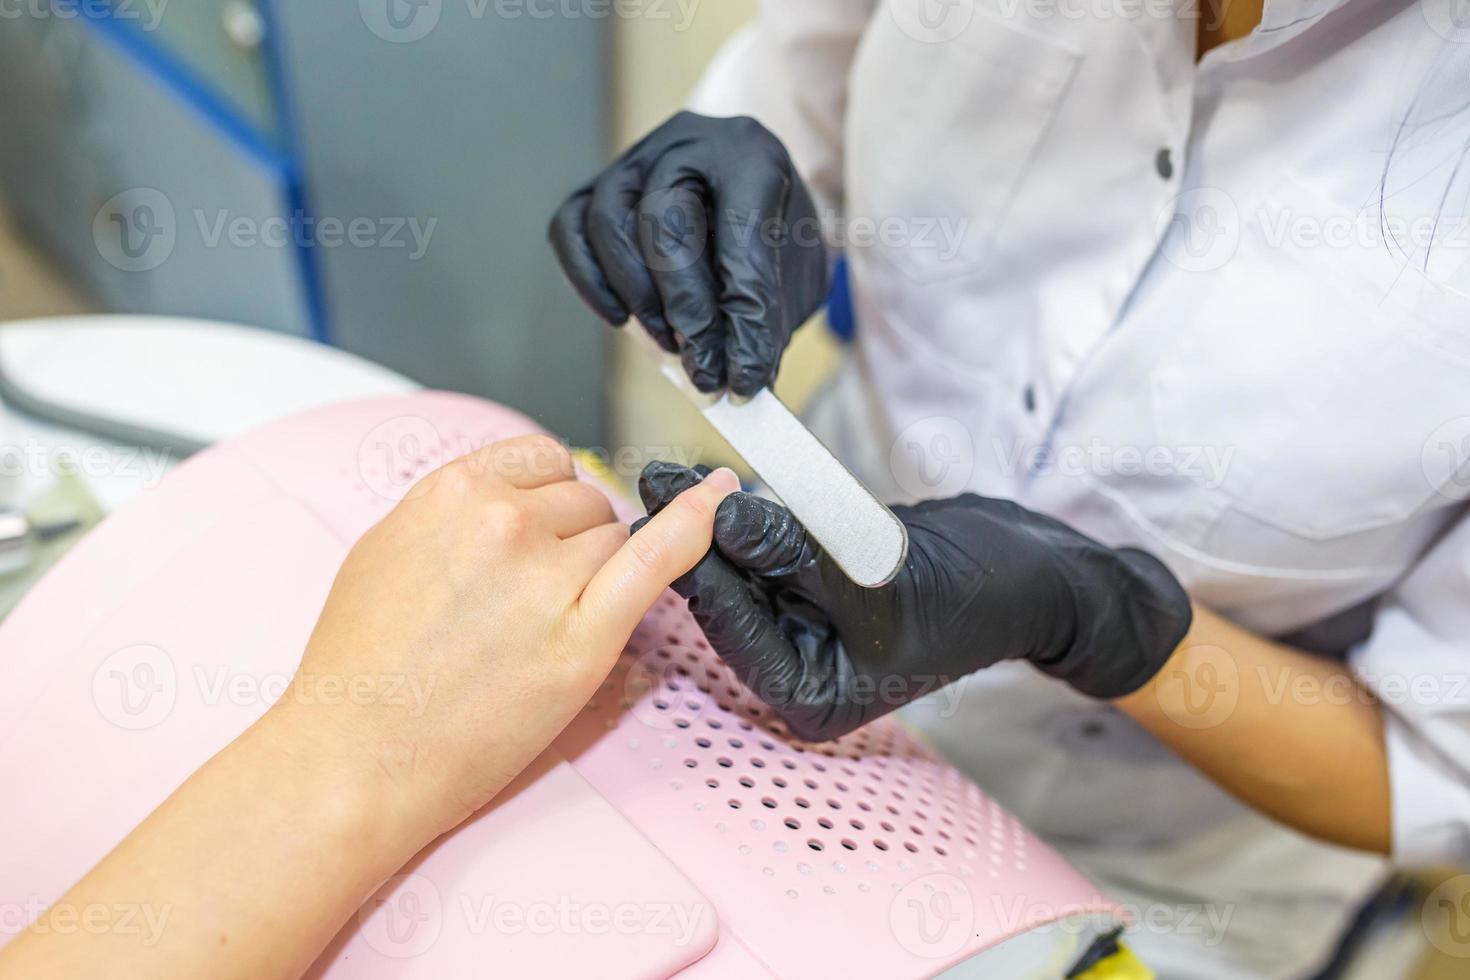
[[675, 825]]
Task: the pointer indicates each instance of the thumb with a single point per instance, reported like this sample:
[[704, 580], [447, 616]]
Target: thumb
[[661, 550]]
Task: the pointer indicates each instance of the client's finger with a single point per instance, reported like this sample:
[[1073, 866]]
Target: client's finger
[[571, 507], [526, 461], [665, 548], [592, 549]]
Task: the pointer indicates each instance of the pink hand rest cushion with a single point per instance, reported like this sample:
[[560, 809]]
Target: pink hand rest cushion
[[674, 827]]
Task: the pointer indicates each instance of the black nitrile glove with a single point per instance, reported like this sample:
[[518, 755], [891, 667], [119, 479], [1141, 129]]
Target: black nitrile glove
[[705, 232], [985, 580]]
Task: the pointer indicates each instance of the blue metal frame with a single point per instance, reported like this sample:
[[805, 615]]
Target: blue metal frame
[[840, 315], [217, 112]]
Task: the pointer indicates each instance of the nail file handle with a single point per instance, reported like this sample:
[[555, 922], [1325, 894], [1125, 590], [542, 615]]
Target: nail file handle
[[860, 534]]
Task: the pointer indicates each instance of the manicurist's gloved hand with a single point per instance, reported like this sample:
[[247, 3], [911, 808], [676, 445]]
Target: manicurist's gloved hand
[[704, 232], [985, 581]]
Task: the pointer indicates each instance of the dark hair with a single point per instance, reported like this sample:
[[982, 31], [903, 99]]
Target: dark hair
[[1439, 101]]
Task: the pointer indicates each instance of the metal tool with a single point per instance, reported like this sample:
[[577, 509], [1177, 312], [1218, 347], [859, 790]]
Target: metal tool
[[862, 536]]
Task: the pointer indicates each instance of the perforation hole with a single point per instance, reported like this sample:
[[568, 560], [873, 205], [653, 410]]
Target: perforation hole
[[793, 823], [815, 844]]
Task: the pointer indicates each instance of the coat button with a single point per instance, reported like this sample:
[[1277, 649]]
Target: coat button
[[1028, 398], [1164, 163]]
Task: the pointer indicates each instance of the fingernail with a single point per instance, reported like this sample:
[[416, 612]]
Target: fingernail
[[724, 479]]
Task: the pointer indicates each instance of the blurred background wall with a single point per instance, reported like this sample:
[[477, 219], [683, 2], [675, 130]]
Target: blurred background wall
[[375, 174]]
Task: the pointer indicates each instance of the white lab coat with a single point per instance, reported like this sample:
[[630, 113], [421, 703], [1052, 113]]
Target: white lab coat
[[1164, 303]]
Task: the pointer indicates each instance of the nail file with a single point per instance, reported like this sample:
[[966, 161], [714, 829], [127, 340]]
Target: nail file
[[861, 536]]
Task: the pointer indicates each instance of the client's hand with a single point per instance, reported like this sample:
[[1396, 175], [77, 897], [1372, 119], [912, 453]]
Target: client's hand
[[500, 591], [503, 590]]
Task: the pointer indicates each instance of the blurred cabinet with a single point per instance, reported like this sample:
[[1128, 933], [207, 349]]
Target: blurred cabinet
[[377, 174]]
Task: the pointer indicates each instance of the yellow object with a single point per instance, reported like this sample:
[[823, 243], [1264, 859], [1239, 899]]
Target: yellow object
[[598, 468], [1122, 965]]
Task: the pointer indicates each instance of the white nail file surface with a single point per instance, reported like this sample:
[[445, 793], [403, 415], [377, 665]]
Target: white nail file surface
[[861, 535]]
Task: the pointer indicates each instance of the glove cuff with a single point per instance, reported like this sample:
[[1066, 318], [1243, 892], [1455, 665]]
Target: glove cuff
[[1132, 613]]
